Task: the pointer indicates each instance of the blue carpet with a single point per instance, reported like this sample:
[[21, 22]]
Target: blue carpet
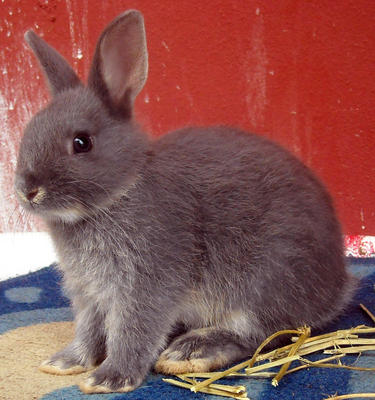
[[38, 298]]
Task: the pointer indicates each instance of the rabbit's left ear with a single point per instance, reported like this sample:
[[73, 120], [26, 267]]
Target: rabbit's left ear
[[120, 64], [59, 74]]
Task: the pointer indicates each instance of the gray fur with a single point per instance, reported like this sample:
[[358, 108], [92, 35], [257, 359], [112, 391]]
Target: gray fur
[[203, 228]]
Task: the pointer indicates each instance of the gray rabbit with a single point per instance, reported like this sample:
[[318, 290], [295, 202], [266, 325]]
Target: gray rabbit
[[181, 253]]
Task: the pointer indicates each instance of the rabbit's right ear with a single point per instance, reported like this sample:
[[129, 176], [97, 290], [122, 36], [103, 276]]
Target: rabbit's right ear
[[59, 74], [119, 68]]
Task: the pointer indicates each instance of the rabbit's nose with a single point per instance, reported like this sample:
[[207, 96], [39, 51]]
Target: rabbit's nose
[[34, 195], [29, 192]]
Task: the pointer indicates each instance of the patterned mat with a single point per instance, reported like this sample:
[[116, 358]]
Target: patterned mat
[[36, 321]]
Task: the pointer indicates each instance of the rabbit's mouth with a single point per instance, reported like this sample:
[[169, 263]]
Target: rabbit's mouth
[[64, 213], [36, 201]]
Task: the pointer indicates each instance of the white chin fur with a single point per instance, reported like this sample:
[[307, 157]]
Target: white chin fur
[[67, 215]]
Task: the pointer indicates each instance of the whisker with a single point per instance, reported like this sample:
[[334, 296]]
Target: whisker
[[91, 182], [19, 218]]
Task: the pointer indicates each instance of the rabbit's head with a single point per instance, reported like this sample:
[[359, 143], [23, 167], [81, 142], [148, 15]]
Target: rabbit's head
[[83, 151]]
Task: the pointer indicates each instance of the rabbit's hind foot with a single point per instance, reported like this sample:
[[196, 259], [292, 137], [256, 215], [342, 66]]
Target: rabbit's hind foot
[[200, 350]]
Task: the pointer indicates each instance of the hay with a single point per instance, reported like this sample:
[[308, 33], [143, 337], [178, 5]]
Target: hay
[[339, 343]]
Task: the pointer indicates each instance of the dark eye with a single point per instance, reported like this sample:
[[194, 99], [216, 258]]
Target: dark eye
[[82, 143]]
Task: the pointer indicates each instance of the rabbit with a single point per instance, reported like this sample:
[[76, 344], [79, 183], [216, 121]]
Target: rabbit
[[180, 253]]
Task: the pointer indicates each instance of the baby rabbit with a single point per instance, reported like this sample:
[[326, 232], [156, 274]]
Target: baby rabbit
[[183, 252]]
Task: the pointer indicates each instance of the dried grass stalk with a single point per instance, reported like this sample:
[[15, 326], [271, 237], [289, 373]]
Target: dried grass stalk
[[209, 390], [308, 363], [328, 365], [352, 396], [350, 350], [305, 334], [226, 388], [368, 312], [271, 364]]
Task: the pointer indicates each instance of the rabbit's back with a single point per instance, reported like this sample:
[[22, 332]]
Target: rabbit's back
[[267, 227], [243, 181]]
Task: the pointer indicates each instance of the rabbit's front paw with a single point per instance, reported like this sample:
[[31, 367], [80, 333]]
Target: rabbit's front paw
[[108, 379], [60, 367], [64, 362]]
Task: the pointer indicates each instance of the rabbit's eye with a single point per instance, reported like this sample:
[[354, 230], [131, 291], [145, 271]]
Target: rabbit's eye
[[82, 143]]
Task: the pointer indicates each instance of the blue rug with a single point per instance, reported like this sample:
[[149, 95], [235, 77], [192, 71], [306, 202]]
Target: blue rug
[[37, 298]]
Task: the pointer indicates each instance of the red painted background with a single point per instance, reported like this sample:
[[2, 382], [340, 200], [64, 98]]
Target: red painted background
[[299, 72]]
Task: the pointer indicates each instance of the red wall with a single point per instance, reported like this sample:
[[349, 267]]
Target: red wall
[[299, 72]]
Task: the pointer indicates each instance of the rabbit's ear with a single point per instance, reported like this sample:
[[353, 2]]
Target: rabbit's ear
[[59, 74], [119, 68]]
